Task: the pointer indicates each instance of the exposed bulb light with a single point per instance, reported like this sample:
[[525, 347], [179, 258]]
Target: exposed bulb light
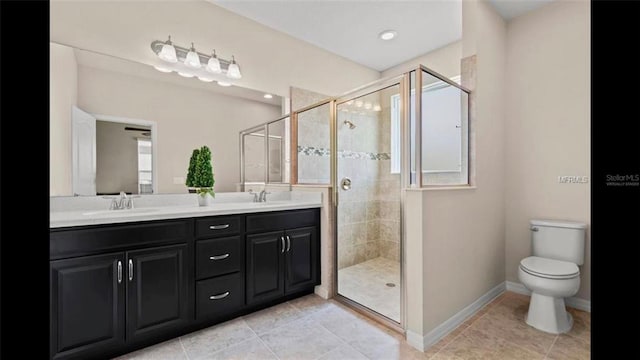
[[233, 72], [350, 102], [213, 65], [377, 107], [201, 78], [267, 96], [162, 69], [224, 83], [168, 52], [185, 74], [387, 35], [358, 103], [367, 105], [193, 59]]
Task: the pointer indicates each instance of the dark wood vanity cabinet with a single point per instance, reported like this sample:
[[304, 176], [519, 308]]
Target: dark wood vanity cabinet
[[118, 287], [284, 261]]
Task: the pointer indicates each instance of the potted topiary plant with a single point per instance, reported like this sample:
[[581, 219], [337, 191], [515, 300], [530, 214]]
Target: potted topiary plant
[[203, 177], [191, 173]]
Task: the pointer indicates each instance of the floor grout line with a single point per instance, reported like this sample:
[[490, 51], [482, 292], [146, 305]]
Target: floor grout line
[[183, 349], [263, 343], [546, 356]]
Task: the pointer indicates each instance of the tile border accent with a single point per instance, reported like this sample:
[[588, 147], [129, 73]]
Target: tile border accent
[[423, 343], [345, 154], [574, 302]]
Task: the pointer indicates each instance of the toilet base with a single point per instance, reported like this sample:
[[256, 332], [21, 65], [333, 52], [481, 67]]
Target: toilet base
[[549, 314]]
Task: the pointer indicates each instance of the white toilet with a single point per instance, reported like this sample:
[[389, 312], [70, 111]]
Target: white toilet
[[552, 272]]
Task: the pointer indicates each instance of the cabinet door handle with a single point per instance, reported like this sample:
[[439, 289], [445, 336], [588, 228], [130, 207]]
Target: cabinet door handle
[[288, 243], [219, 296], [218, 227], [119, 271], [130, 270], [282, 243], [218, 257]]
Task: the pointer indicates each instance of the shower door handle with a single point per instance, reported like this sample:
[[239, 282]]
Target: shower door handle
[[345, 184]]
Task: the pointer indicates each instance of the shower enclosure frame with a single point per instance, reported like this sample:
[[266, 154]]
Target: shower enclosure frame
[[404, 84]]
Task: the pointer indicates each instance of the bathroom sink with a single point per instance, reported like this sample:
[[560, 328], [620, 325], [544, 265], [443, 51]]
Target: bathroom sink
[[116, 212]]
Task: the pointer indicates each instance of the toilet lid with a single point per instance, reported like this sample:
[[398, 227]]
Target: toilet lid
[[549, 268]]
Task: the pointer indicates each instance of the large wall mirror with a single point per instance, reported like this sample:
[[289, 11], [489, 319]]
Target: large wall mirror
[[119, 125]]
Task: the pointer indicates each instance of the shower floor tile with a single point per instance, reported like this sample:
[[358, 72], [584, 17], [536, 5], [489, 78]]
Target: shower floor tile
[[366, 284]]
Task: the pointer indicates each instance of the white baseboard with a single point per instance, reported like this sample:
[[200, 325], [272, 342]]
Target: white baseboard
[[424, 342], [321, 291], [574, 302]]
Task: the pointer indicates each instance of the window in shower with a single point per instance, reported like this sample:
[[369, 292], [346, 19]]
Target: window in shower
[[444, 132]]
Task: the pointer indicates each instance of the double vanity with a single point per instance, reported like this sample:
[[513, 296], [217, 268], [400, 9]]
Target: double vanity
[[126, 279]]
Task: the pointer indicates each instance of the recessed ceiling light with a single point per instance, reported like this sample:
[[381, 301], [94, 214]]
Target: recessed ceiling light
[[224, 83], [268, 96], [387, 34]]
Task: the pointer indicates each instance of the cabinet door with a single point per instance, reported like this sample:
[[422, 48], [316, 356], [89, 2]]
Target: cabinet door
[[265, 267], [87, 305], [301, 258], [157, 299]]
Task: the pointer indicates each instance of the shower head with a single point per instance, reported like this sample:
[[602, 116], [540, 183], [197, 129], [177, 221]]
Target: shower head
[[351, 125]]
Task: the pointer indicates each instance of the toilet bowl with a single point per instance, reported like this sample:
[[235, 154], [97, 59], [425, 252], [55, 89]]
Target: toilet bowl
[[550, 281]]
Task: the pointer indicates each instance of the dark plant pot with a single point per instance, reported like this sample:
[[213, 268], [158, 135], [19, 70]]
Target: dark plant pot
[[191, 190]]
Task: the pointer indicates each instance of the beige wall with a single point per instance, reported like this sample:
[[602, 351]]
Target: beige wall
[[464, 229], [187, 118], [270, 61], [547, 128], [63, 93], [445, 60]]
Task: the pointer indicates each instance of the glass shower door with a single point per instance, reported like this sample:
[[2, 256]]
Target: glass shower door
[[369, 198]]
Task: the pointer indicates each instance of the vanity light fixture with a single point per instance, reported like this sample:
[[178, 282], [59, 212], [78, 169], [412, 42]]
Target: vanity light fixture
[[188, 61], [224, 83], [367, 105], [205, 79], [377, 107], [193, 60], [213, 65], [387, 35], [233, 72], [358, 103], [350, 102], [168, 52], [162, 69], [267, 96]]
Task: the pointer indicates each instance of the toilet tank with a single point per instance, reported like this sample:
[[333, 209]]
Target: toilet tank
[[560, 240]]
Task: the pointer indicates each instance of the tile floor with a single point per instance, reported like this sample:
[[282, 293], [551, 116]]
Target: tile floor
[[313, 328], [365, 283]]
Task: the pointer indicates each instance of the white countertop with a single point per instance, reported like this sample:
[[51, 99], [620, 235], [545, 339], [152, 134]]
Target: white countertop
[[80, 211]]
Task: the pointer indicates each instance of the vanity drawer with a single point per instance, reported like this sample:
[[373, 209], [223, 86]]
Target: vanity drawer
[[282, 220], [218, 256], [219, 296], [218, 226]]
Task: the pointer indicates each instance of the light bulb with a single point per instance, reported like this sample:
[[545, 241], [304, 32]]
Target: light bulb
[[233, 71], [205, 79], [185, 74], [367, 105], [350, 102], [213, 65], [267, 96], [162, 69], [224, 83], [359, 103], [168, 52], [193, 59], [377, 107]]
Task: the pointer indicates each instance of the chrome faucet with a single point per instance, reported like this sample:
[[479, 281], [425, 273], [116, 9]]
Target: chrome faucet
[[124, 202], [262, 197]]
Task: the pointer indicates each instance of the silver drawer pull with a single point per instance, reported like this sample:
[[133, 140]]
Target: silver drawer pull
[[219, 296], [218, 257], [218, 227]]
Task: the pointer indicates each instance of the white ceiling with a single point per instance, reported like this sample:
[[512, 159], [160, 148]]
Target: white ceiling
[[350, 28], [510, 9]]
